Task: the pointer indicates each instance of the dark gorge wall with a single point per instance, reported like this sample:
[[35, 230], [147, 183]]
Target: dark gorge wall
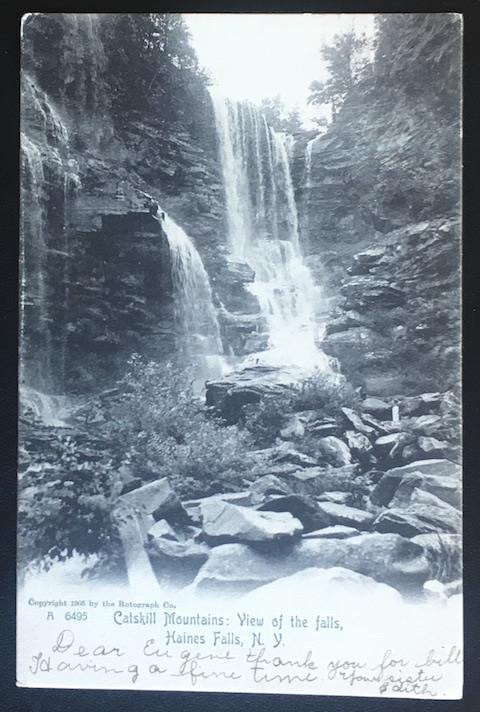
[[382, 209], [98, 157]]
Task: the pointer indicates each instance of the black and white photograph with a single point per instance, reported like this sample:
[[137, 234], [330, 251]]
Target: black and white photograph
[[240, 456]]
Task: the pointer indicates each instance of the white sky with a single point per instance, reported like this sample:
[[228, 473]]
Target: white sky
[[252, 56]]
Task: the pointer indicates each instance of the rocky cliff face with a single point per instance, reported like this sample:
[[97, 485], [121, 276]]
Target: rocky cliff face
[[381, 207], [96, 263]]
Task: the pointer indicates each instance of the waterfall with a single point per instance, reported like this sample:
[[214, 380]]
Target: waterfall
[[263, 232], [49, 179], [51, 410], [199, 340], [307, 183]]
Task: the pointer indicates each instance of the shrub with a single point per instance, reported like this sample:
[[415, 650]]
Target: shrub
[[67, 488], [162, 429], [320, 392]]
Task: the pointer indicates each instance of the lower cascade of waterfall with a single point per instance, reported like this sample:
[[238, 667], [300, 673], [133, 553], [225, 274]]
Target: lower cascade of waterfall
[[52, 410], [199, 338], [263, 232]]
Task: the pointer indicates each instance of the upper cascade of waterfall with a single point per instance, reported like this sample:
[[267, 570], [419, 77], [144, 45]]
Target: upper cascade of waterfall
[[263, 232], [196, 317]]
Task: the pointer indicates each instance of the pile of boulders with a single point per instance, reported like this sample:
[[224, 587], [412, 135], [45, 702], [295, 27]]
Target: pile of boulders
[[373, 501]]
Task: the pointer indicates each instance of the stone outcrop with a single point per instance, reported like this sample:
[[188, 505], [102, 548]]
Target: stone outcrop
[[381, 214]]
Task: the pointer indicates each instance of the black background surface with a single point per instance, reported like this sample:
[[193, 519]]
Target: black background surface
[[38, 700]]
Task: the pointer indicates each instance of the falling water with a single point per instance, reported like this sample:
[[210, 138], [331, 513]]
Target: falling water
[[197, 325], [263, 232], [307, 182], [51, 410], [49, 179]]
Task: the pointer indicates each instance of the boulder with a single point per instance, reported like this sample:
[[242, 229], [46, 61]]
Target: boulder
[[444, 552], [334, 451], [294, 429], [377, 407], [358, 443], [264, 486], [427, 467], [317, 480], [447, 489], [193, 506], [422, 514], [292, 457], [423, 404], [432, 446], [337, 531], [321, 585], [348, 516], [162, 530], [303, 508], [354, 419], [336, 497], [223, 522], [426, 424], [176, 562], [237, 568], [391, 446], [323, 427], [158, 499]]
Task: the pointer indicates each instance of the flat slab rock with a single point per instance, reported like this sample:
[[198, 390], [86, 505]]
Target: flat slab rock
[[152, 497], [234, 569], [223, 522], [337, 531], [348, 516]]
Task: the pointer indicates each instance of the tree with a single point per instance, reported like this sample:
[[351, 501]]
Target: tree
[[277, 116], [345, 63]]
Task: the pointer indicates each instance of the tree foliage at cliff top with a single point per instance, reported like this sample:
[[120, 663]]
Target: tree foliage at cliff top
[[139, 62]]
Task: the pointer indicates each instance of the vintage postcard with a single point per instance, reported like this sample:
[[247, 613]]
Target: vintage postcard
[[240, 396]]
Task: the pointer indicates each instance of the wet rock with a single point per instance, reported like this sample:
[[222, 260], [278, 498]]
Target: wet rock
[[223, 522], [347, 516], [266, 485], [389, 558], [444, 552], [391, 446], [364, 293], [334, 451], [337, 531], [303, 508], [354, 419]]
